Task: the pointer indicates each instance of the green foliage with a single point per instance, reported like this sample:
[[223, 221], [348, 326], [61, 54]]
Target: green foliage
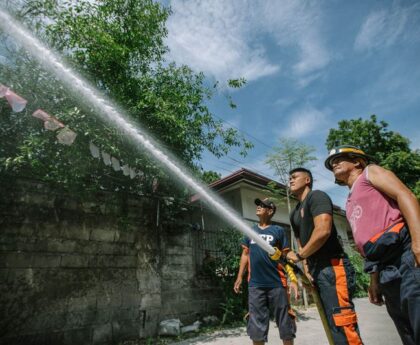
[[117, 45], [362, 278], [210, 176], [288, 155], [391, 149], [234, 306], [237, 83], [278, 195], [406, 165]]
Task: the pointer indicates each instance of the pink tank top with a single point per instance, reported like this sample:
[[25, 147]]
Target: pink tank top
[[369, 211]]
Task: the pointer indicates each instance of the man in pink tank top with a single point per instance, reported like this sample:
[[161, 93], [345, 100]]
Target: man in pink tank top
[[384, 216]]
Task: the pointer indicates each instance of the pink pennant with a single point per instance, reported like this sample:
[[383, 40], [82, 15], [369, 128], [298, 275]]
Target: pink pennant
[[3, 90], [41, 114], [66, 136], [52, 124], [16, 102]]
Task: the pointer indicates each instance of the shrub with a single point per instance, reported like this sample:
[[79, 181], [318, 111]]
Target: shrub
[[362, 278]]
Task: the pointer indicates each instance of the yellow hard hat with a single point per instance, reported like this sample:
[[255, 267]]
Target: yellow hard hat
[[347, 150]]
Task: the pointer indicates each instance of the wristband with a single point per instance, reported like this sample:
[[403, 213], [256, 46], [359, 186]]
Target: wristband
[[300, 257]]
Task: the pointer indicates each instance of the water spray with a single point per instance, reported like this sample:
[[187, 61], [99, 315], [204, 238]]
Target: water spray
[[110, 113]]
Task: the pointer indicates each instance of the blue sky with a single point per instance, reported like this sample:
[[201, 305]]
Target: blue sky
[[308, 65]]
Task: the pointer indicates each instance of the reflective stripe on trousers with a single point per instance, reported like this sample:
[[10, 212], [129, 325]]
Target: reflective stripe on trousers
[[336, 282]]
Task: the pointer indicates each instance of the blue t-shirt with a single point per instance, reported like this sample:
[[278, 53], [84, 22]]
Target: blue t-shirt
[[262, 271]]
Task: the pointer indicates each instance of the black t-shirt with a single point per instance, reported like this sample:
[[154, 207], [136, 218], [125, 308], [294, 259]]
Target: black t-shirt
[[302, 220]]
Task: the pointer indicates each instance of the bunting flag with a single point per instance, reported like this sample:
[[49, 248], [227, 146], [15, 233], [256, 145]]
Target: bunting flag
[[169, 200], [133, 173], [15, 101], [52, 124], [94, 150], [126, 170], [155, 184], [66, 136], [41, 114], [106, 158], [3, 90], [115, 164]]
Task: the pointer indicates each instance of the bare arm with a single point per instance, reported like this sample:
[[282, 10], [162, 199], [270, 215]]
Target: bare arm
[[322, 230], [243, 263], [386, 182]]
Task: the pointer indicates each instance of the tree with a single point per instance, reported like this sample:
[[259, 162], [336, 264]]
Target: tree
[[118, 45], [289, 155], [210, 176], [391, 149]]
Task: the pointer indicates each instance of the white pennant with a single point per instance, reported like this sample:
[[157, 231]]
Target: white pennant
[[126, 170], [106, 158], [66, 136], [115, 164], [94, 150], [155, 184]]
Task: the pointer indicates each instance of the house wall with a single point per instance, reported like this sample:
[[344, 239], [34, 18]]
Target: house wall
[[205, 218], [245, 194], [249, 195]]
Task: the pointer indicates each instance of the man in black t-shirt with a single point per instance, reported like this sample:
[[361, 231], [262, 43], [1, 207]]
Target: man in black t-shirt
[[324, 260], [267, 282]]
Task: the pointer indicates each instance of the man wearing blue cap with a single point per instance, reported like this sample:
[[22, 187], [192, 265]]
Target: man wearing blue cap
[[267, 282]]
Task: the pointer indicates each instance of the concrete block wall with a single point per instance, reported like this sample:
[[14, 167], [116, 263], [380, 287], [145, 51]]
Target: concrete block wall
[[96, 272], [185, 294]]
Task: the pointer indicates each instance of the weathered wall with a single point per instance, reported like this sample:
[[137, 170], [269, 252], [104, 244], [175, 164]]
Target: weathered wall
[[96, 272], [186, 294]]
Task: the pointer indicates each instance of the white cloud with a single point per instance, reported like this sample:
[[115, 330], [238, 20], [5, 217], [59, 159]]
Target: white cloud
[[304, 121], [224, 38], [385, 27], [415, 143], [213, 37], [297, 24]]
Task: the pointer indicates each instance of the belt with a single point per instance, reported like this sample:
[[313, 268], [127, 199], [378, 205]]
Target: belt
[[395, 227], [387, 244]]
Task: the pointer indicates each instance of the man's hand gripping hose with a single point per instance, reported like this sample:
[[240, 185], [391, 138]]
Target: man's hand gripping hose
[[289, 270]]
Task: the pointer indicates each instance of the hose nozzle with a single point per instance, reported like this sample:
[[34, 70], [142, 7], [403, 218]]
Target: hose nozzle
[[277, 254]]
